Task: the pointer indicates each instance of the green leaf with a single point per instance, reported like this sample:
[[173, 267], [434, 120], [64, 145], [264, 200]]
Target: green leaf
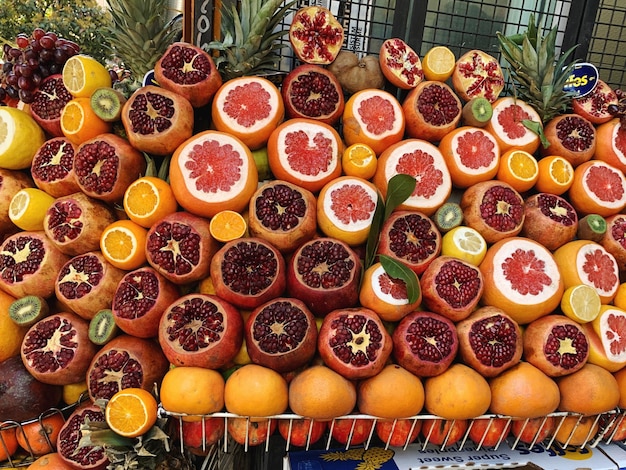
[[398, 270], [399, 188], [537, 128], [372, 239]]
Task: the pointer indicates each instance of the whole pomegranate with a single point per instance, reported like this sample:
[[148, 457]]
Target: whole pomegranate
[[125, 362], [354, 342]]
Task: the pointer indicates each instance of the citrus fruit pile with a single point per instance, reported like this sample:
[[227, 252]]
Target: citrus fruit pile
[[395, 260]]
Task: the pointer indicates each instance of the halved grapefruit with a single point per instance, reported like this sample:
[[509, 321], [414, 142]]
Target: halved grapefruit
[[423, 161], [507, 126], [472, 154], [373, 117], [600, 352], [611, 143], [305, 152], [588, 262], [345, 209], [249, 108], [522, 278], [598, 188], [211, 172]]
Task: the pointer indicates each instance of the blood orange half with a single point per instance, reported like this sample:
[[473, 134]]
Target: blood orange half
[[522, 278], [373, 117], [506, 124], [598, 188], [249, 108], [211, 172], [472, 154], [423, 161], [305, 152], [345, 209], [611, 143], [588, 262]]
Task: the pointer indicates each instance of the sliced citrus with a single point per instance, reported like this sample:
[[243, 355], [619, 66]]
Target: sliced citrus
[[227, 225], [556, 175], [345, 209], [508, 124], [20, 138], [464, 243], [518, 168], [359, 160], [438, 63], [598, 188], [581, 303], [28, 208], [620, 297], [79, 123], [131, 412], [123, 244], [82, 75], [148, 199]]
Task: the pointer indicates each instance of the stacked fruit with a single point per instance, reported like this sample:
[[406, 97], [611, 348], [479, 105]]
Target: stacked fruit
[[423, 256]]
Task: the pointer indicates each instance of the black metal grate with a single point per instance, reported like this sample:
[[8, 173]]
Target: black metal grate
[[607, 47]]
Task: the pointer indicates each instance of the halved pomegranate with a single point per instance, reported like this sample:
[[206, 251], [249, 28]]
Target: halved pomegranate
[[549, 219], [400, 64], [595, 106], [614, 240], [477, 73], [572, 137], [315, 35], [75, 455], [52, 168], [49, 99]]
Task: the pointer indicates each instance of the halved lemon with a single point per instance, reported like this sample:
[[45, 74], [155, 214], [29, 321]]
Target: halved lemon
[[464, 243], [28, 208]]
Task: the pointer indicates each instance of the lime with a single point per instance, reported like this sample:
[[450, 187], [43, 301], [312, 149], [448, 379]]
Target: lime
[[28, 208], [20, 138]]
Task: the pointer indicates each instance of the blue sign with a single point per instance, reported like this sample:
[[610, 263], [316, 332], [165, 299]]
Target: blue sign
[[582, 80]]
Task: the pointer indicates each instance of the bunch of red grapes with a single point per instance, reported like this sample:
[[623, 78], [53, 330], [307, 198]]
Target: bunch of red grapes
[[32, 59]]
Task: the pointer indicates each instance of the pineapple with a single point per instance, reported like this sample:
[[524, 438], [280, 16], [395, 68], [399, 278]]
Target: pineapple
[[139, 35], [249, 43], [539, 73]]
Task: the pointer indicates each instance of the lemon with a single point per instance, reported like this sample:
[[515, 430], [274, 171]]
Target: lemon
[[464, 243], [74, 392], [438, 63], [28, 208], [20, 138], [82, 75], [581, 303]]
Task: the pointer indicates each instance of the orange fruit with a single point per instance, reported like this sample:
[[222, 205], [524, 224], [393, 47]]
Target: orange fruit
[[392, 393], [373, 117], [598, 352], [227, 225], [305, 152], [610, 144], [523, 391], [192, 391], [319, 392], [556, 175], [40, 436], [74, 392], [385, 295], [458, 393], [82, 75], [472, 154], [522, 278], [148, 199], [590, 390], [438, 63], [8, 444], [249, 108], [620, 376], [256, 391], [131, 412], [588, 262], [213, 171], [576, 430], [423, 161], [123, 244], [519, 169], [79, 123], [345, 209], [359, 160], [12, 334], [506, 125], [51, 461], [609, 328], [598, 188]]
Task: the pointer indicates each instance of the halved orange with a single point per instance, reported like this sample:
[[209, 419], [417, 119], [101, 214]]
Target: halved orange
[[227, 225], [131, 412], [359, 160], [149, 199], [519, 169], [123, 244], [556, 175], [79, 123]]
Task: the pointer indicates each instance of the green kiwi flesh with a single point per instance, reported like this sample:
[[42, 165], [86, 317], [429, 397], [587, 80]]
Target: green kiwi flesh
[[107, 103], [477, 112], [591, 227], [28, 310], [102, 327], [448, 216]]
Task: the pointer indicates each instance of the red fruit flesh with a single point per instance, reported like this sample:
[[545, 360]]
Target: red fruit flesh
[[595, 106], [48, 101], [432, 109], [549, 219], [315, 35], [89, 457], [572, 137], [478, 74], [52, 168], [400, 64]]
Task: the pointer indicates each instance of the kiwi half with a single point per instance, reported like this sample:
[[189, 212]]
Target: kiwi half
[[107, 103], [591, 227], [448, 216], [102, 327], [28, 310], [477, 112]]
